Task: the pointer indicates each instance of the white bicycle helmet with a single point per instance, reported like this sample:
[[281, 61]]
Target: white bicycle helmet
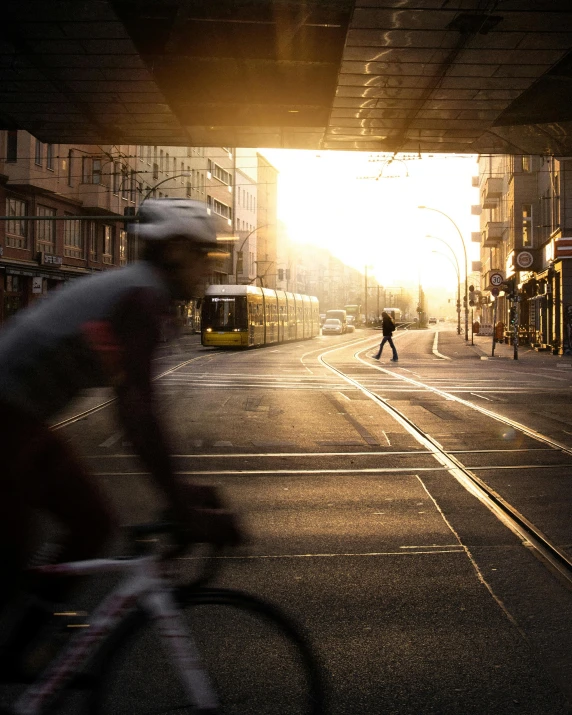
[[162, 219]]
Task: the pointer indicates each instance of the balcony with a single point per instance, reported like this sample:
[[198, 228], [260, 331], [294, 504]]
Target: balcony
[[492, 192], [493, 234]]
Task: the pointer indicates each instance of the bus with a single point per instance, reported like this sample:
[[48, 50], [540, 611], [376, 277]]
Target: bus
[[394, 314]]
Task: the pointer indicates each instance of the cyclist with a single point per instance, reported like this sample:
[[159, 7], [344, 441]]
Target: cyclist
[[98, 331]]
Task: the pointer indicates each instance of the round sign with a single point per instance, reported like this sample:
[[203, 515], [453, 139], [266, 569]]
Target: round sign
[[496, 279], [495, 291], [524, 259]]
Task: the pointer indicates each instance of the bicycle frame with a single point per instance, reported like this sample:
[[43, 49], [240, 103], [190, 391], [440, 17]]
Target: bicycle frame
[[143, 586]]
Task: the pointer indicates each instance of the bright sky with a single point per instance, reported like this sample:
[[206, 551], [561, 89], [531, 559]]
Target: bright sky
[[323, 201]]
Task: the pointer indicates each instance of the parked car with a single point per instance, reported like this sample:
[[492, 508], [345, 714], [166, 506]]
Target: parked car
[[332, 326], [350, 324], [432, 321]]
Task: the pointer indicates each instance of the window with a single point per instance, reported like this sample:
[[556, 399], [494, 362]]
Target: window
[[182, 172], [122, 247], [124, 183], [12, 146], [526, 163], [141, 152], [527, 224], [73, 240], [38, 153], [96, 171], [50, 157], [221, 209], [161, 161], [155, 170], [46, 231], [219, 173], [85, 169], [116, 177], [70, 174], [108, 244], [91, 232], [167, 160], [16, 230], [149, 155]]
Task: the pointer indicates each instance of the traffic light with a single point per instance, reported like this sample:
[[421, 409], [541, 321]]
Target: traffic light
[[509, 287], [472, 296], [512, 316], [280, 274]]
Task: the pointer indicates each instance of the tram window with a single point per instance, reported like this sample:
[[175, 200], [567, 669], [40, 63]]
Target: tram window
[[225, 313]]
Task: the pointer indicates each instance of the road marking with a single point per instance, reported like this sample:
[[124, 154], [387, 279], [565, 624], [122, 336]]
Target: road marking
[[481, 396], [435, 351]]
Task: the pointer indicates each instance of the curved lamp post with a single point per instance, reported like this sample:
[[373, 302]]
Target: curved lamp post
[[239, 250], [429, 208], [457, 268]]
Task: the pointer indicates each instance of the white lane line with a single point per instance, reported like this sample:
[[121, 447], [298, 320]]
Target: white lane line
[[481, 396], [387, 438], [448, 396], [451, 550], [280, 472], [435, 351], [263, 455], [342, 394]]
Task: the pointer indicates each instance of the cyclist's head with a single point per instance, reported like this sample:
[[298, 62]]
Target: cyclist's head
[[179, 238]]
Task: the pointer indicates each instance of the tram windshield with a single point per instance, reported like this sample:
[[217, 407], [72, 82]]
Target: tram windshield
[[224, 312]]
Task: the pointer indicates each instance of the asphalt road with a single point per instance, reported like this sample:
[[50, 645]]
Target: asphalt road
[[417, 597]]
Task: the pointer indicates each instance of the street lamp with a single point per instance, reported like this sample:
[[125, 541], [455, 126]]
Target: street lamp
[[458, 272], [436, 238], [429, 208]]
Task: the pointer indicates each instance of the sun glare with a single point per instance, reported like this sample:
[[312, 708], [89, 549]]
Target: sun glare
[[365, 210]]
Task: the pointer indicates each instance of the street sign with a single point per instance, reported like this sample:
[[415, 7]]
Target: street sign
[[495, 291], [496, 279]]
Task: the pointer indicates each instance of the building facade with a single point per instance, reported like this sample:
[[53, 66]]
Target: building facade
[[67, 210], [526, 235]]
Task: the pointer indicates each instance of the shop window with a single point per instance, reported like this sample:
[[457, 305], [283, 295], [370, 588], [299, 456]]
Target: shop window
[[46, 230], [122, 247], [16, 229], [73, 240], [108, 244]]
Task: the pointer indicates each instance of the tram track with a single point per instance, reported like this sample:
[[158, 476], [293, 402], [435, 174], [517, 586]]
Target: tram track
[[530, 535]]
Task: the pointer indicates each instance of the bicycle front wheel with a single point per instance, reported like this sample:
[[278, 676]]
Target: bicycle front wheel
[[256, 657]]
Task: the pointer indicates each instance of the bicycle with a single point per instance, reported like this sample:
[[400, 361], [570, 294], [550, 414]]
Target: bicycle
[[148, 594]]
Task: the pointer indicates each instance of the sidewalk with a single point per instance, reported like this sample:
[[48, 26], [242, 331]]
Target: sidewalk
[[450, 342]]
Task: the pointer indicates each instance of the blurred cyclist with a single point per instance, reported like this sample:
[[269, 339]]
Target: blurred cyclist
[[98, 331]]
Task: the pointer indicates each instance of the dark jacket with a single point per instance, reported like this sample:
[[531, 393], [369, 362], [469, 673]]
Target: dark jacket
[[387, 326]]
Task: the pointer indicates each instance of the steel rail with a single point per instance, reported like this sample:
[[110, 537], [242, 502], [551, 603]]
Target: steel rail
[[525, 530]]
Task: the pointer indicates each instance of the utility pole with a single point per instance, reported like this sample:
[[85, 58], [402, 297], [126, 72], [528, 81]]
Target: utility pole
[[365, 301]]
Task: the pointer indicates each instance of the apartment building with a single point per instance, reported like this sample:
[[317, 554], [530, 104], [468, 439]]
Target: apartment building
[[81, 198], [526, 234]]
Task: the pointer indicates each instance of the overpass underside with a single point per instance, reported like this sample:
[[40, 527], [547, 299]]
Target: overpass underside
[[469, 76]]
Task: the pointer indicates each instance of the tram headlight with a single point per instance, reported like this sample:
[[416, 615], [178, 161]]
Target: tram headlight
[[209, 330]]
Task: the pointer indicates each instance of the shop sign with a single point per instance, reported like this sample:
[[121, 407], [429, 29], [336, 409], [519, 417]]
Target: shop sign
[[524, 260], [563, 248], [49, 259], [37, 283]]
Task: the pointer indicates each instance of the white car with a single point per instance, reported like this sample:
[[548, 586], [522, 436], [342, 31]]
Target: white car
[[332, 326]]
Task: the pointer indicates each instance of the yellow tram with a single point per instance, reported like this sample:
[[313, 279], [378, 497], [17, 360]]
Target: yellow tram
[[242, 316]]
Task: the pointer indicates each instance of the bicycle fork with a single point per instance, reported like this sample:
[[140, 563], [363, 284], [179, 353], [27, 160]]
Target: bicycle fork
[[184, 654]]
